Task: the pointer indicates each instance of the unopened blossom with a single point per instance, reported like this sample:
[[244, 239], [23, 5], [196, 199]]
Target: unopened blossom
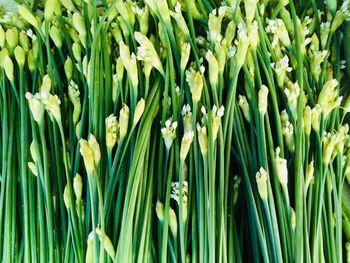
[[262, 102], [195, 82], [140, 107], [160, 210], [36, 107], [124, 120], [242, 44], [106, 242], [185, 55], [261, 180], [112, 131], [186, 144], [8, 67], [202, 138], [213, 69], [328, 98], [282, 170], [292, 92], [74, 96], [217, 114], [173, 222], [244, 105]]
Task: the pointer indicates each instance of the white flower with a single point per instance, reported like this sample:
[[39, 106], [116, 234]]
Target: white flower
[[342, 14], [146, 52], [292, 92], [176, 196], [182, 24], [52, 105], [281, 67], [278, 28], [242, 43], [169, 133]]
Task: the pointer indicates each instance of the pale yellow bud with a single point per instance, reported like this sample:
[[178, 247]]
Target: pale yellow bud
[[124, 120], [78, 186], [140, 107], [160, 210], [186, 144], [20, 56], [8, 66], [261, 180], [173, 222], [27, 16], [263, 93]]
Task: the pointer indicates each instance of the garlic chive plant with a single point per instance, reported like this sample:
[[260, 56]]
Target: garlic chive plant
[[175, 131]]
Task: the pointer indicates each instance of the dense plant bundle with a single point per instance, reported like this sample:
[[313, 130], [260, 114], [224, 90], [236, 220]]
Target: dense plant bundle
[[175, 131]]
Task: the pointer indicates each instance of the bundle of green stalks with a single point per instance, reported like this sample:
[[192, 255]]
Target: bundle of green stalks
[[175, 131]]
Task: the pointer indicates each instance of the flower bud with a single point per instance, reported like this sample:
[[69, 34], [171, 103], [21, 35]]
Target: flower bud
[[107, 243], [282, 170], [160, 210], [244, 105], [213, 69], [27, 16], [77, 51], [216, 120], [124, 120], [32, 167], [68, 68], [195, 82], [46, 84], [185, 55], [315, 117], [20, 56], [202, 139], [2, 37], [140, 107], [261, 180], [112, 131], [55, 34], [8, 66], [186, 144], [66, 197], [52, 105], [68, 4], [31, 61], [263, 93], [173, 222], [307, 120], [36, 107], [78, 186], [24, 41], [74, 96]]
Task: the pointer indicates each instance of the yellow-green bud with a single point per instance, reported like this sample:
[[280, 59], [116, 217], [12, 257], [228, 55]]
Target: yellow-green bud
[[73, 34], [55, 34], [66, 197], [31, 61], [124, 120], [68, 68], [112, 131], [27, 16], [33, 168], [46, 84], [244, 105], [160, 210], [78, 186], [173, 222], [52, 105], [263, 93], [2, 37], [202, 139], [140, 107], [20, 56], [185, 55], [261, 180], [12, 38], [49, 9], [8, 66], [95, 148], [307, 120], [107, 243], [3, 53], [77, 51], [34, 152], [292, 218], [186, 144], [68, 4], [195, 82], [213, 69], [282, 170], [24, 40]]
